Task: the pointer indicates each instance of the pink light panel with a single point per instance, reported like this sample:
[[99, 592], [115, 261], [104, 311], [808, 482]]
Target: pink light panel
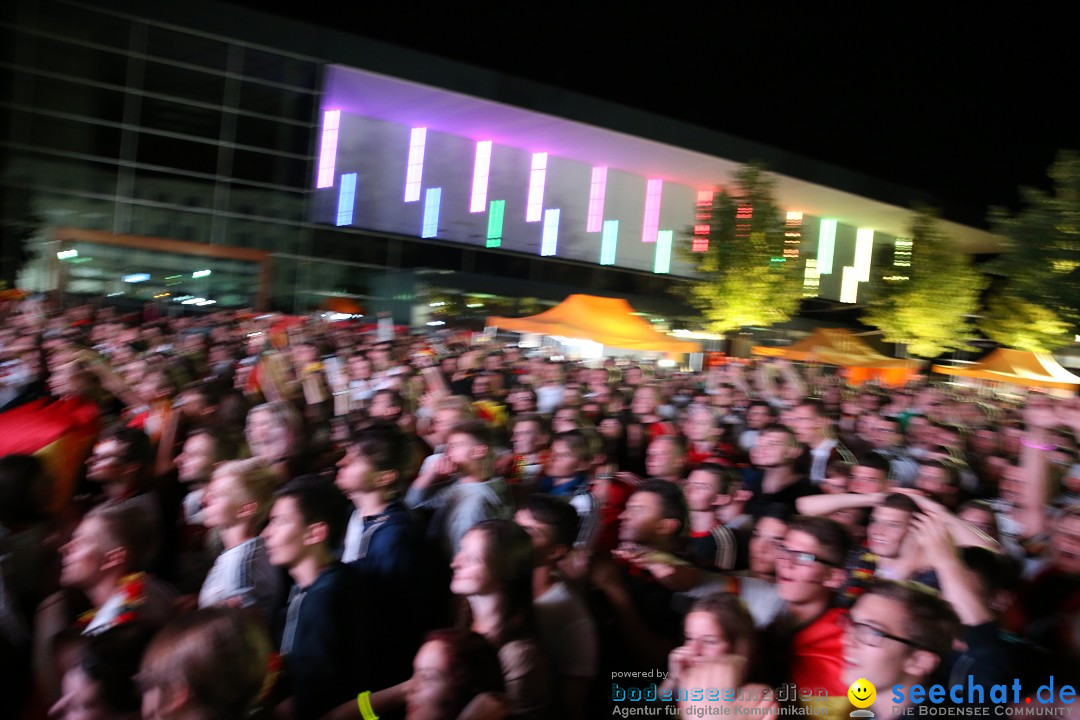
[[328, 148], [415, 171], [481, 170], [535, 204], [596, 199], [652, 210]]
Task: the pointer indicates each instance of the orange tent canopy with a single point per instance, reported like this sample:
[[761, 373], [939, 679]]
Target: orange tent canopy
[[1017, 367], [608, 321], [836, 346]]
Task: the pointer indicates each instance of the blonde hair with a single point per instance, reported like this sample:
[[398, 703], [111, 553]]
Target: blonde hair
[[254, 481]]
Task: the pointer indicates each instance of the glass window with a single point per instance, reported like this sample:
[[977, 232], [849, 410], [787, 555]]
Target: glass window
[[263, 236], [251, 200], [184, 83], [77, 99], [181, 154], [419, 254], [83, 24], [280, 69], [272, 135], [273, 169], [183, 47], [173, 189], [180, 118], [274, 101], [69, 135], [168, 222], [49, 171], [371, 250], [76, 61]]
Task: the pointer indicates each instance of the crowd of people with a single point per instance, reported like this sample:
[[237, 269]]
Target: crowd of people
[[236, 515]]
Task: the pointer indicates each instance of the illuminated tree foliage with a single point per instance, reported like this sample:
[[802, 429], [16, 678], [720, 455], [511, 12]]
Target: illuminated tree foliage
[[1042, 261], [746, 278], [1014, 323], [929, 312]]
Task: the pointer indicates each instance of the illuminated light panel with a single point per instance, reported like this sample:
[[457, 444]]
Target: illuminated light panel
[[550, 237], [652, 210], [415, 172], [608, 241], [704, 197], [328, 148], [534, 206], [701, 239], [346, 199], [481, 170], [663, 251], [794, 216], [495, 223], [811, 279], [864, 248], [849, 285], [902, 253], [597, 189], [432, 198], [826, 246]]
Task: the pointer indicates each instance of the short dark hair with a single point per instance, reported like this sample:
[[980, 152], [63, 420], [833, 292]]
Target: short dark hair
[[383, 445], [130, 526], [111, 660], [134, 444], [672, 501], [576, 442], [931, 623], [951, 468], [527, 417], [772, 412], [727, 479], [900, 501], [874, 461], [557, 514], [833, 538], [816, 405], [319, 501], [792, 441]]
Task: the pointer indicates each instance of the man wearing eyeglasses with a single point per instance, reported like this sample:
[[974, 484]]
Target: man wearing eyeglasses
[[809, 572], [896, 634]]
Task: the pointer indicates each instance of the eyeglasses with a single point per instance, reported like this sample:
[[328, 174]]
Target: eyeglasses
[[872, 636], [803, 559]]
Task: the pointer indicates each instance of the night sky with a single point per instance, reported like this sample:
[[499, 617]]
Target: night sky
[[964, 106]]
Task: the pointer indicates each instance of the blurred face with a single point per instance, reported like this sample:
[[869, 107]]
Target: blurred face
[[887, 530], [526, 438], [267, 436], [773, 449], [562, 463], [196, 461], [700, 491], [221, 502], [471, 573], [699, 426], [521, 401], [1065, 545], [808, 427], [564, 420], [286, 534], [429, 686], [765, 542], [106, 463], [539, 533], [833, 484], [980, 519], [885, 433], [463, 451], [883, 665], [82, 557], [798, 580], [79, 699], [704, 637], [640, 521], [757, 417], [934, 481], [663, 459], [868, 480], [441, 424], [382, 408], [644, 402], [360, 368], [355, 473]]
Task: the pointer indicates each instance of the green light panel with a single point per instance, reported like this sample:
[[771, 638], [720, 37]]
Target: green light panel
[[608, 241], [663, 251], [495, 223]]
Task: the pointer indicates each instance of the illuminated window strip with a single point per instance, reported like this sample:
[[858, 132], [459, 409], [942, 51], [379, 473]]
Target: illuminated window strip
[[535, 204], [826, 246], [550, 236], [849, 285], [608, 241], [597, 189], [652, 210], [864, 251], [495, 223], [663, 251], [481, 170], [432, 198], [328, 148], [346, 199], [701, 239], [415, 173], [704, 197]]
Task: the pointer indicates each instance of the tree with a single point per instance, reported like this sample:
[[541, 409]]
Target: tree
[[929, 312], [1042, 260], [745, 278], [1016, 323]]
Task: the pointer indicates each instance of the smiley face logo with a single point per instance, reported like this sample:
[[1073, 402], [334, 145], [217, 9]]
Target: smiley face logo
[[862, 693]]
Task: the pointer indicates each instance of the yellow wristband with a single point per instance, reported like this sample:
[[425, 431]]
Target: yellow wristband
[[363, 701]]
